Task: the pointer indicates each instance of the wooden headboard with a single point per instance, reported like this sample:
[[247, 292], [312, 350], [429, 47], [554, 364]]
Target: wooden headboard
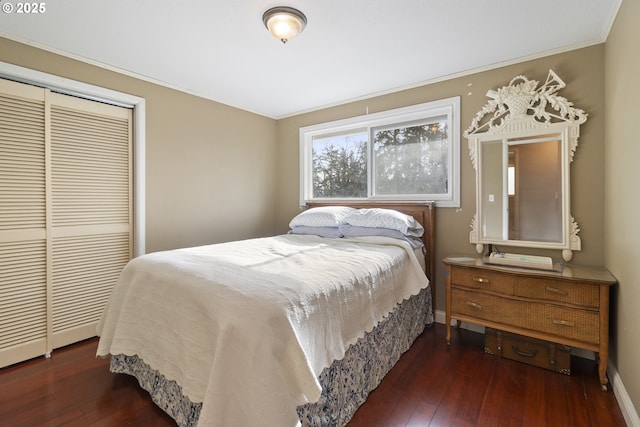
[[423, 212]]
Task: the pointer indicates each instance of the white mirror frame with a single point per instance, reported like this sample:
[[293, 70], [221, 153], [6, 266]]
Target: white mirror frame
[[522, 109]]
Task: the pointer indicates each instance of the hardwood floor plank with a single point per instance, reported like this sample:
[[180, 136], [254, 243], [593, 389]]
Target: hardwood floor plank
[[533, 409], [422, 415], [432, 385]]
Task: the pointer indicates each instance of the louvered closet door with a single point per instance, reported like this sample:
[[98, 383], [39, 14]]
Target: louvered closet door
[[23, 284], [65, 216], [91, 214]]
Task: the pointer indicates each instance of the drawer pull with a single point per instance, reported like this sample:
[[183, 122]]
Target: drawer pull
[[480, 280], [474, 305], [563, 322], [556, 291], [519, 352]]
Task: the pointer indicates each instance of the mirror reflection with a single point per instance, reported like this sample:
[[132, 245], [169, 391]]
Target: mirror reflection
[[522, 189]]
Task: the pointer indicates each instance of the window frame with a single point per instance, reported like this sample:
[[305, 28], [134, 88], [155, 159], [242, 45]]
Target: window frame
[[449, 107]]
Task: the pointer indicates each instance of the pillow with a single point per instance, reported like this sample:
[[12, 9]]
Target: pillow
[[385, 218], [347, 230], [324, 216], [317, 231]]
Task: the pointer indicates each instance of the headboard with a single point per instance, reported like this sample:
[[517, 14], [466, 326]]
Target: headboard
[[423, 212]]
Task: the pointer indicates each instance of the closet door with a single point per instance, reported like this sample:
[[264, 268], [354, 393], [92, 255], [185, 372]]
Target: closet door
[[65, 216], [91, 234], [23, 258]]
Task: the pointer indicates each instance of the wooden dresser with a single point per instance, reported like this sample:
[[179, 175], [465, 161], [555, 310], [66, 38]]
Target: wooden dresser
[[569, 307]]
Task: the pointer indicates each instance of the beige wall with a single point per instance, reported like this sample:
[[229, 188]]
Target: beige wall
[[582, 70], [210, 168], [622, 201]]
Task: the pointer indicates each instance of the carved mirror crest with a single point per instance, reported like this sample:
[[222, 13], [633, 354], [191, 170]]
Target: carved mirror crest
[[521, 144]]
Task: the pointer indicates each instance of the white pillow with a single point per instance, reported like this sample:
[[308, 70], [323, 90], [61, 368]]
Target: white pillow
[[324, 216], [385, 218]]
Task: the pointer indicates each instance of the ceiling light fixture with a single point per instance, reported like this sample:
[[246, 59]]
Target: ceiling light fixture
[[284, 23]]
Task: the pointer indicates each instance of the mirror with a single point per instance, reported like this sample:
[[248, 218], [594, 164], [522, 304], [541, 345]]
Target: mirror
[[522, 153], [521, 189]]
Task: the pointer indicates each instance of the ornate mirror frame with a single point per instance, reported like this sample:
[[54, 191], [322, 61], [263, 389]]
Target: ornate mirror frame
[[525, 110]]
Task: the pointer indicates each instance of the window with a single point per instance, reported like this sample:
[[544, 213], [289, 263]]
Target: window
[[409, 153]]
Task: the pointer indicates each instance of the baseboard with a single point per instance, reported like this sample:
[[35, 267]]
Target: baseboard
[[629, 412]]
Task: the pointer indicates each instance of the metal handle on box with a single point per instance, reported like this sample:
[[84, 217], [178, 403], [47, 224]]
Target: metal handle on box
[[517, 350], [480, 280]]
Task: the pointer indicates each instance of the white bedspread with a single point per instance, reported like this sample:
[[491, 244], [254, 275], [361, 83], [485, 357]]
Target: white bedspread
[[246, 327]]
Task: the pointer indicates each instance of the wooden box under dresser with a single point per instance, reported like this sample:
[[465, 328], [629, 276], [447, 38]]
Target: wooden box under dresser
[[569, 307]]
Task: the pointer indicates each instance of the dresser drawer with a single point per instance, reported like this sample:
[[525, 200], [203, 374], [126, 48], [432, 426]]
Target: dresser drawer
[[483, 306], [482, 279], [572, 323], [558, 290]]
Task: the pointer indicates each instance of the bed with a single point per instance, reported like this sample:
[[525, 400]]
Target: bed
[[287, 330]]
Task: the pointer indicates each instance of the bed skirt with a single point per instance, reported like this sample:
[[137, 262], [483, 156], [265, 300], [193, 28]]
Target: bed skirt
[[345, 384]]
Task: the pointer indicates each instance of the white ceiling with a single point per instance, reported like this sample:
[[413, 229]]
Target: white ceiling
[[351, 49]]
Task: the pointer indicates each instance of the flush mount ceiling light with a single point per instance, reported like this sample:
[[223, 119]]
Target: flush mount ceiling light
[[284, 23]]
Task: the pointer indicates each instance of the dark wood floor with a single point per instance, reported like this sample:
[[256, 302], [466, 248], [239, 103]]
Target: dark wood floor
[[432, 385]]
